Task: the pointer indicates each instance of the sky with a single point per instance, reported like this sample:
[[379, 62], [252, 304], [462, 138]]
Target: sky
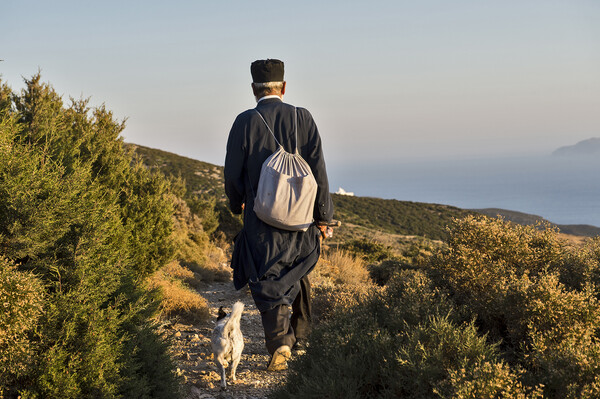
[[384, 80]]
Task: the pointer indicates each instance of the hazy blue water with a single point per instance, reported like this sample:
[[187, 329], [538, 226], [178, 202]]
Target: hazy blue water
[[564, 191]]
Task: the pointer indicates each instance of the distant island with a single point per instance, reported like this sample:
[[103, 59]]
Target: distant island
[[586, 148]]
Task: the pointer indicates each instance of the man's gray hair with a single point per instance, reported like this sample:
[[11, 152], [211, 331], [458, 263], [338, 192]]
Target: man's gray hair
[[266, 88]]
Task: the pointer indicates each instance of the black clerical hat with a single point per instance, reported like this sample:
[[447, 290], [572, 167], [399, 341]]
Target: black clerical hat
[[269, 70]]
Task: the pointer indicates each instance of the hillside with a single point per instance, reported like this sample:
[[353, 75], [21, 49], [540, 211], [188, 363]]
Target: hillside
[[201, 178], [528, 219], [397, 217], [387, 216]]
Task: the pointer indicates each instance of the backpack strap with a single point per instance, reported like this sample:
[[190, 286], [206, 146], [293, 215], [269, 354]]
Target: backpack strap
[[296, 127], [273, 134]]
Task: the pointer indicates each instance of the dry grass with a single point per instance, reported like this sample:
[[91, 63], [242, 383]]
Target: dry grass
[[195, 252], [175, 270], [329, 299], [339, 281], [397, 243], [177, 298], [215, 266], [21, 303], [339, 267], [576, 241]]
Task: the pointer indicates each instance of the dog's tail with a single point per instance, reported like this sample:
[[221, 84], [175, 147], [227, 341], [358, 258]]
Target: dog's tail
[[234, 318]]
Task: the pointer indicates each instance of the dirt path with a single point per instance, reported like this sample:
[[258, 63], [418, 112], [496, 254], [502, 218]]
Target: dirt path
[[194, 354]]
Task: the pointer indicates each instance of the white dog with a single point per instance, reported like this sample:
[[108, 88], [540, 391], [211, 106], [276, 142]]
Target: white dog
[[228, 341]]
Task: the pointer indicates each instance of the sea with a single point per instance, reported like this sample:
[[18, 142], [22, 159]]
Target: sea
[[563, 190]]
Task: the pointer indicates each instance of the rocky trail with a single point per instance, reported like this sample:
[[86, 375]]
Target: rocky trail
[[193, 351]]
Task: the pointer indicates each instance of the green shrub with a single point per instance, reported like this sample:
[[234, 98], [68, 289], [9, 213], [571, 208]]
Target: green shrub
[[401, 342], [91, 225], [339, 280], [21, 304], [418, 252], [194, 250], [370, 251], [206, 210], [501, 311], [329, 299], [580, 266], [562, 334], [382, 272], [534, 293]]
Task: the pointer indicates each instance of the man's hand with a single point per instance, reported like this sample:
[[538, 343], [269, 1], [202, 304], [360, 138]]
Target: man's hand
[[327, 228], [326, 231]]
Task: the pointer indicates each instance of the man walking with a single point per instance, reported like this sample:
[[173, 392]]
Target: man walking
[[275, 263]]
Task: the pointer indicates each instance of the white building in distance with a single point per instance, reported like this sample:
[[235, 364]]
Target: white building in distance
[[341, 191]]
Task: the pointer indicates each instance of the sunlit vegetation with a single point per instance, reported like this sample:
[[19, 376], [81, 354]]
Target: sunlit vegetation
[[338, 280], [204, 188], [83, 225], [501, 311], [177, 299], [397, 217]]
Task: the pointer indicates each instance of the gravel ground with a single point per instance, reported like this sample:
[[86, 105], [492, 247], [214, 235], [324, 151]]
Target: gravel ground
[[194, 354]]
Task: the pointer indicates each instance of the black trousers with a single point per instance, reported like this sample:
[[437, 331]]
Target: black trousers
[[281, 328]]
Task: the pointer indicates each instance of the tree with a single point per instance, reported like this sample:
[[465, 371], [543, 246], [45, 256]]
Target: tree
[[80, 215]]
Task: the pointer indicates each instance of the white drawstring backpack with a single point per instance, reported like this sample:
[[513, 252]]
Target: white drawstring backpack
[[287, 188]]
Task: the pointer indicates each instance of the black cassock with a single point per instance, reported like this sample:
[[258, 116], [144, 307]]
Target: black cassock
[[270, 260]]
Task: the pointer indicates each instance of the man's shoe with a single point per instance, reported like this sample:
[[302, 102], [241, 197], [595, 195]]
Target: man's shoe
[[279, 359]]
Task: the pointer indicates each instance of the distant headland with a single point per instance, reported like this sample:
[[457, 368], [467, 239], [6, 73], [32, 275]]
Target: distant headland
[[589, 147]]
